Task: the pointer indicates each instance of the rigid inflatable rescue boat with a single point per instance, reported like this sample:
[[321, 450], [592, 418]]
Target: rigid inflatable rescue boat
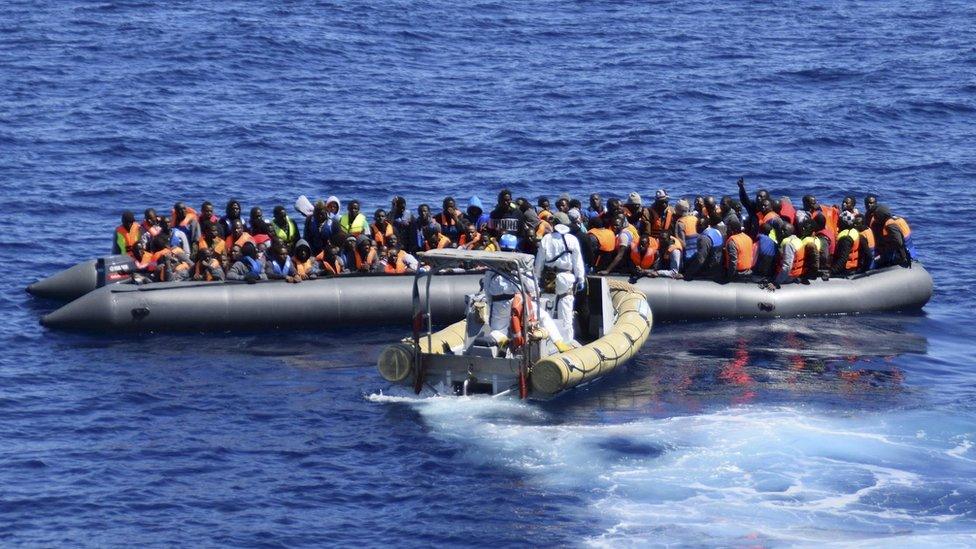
[[471, 357]]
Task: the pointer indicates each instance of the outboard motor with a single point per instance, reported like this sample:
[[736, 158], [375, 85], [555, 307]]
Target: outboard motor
[[114, 269]]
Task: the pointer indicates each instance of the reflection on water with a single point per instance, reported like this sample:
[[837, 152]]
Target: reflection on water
[[690, 368]]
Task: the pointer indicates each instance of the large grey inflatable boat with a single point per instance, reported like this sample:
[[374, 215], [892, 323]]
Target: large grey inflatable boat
[[387, 299]]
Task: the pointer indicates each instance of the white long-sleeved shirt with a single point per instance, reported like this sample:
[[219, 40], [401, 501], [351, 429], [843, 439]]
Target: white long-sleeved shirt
[[554, 244]]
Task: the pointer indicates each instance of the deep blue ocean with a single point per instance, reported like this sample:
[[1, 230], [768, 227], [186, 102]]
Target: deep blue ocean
[[851, 430]]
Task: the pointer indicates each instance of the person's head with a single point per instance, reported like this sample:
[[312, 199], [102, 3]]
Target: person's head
[[349, 243], [661, 199], [617, 223], [379, 216], [508, 242], [737, 206], [150, 216], [819, 223], [204, 255], [474, 209], [726, 203], [596, 222], [209, 230], [256, 213], [233, 209], [235, 253], [613, 207], [766, 206], [806, 228], [859, 222], [138, 249], [332, 206], [449, 204], [471, 231], [776, 205], [128, 218], [543, 203], [522, 204], [319, 212], [280, 216], [237, 228], [180, 210], [710, 204], [280, 252], [870, 202], [575, 216], [163, 223], [432, 232], [249, 250], [393, 242], [575, 203], [206, 210], [785, 231], [682, 207], [645, 242], [733, 226], [363, 244], [398, 204], [809, 203], [596, 202], [159, 242], [423, 212], [353, 209], [505, 199], [699, 203], [848, 204], [715, 217], [882, 212], [761, 194], [562, 204]]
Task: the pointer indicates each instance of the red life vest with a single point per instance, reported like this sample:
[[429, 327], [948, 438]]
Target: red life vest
[[442, 242], [370, 258], [744, 252], [643, 260], [464, 244], [399, 266], [380, 235]]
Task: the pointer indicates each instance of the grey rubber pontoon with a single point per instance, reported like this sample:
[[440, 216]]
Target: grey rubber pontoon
[[387, 299]]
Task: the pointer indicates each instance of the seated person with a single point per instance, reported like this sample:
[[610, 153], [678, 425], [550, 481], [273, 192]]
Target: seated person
[[250, 267], [364, 255], [306, 267], [395, 260], [433, 239], [280, 266], [210, 240], [470, 239], [330, 263], [238, 236], [174, 266], [208, 267], [381, 228]]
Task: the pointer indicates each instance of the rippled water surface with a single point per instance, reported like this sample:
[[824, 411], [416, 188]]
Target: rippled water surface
[[854, 430]]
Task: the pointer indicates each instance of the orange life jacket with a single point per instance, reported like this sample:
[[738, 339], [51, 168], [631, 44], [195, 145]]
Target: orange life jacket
[[442, 242], [744, 251], [765, 218], [219, 246], [400, 266], [868, 235], [906, 231], [445, 220], [660, 224], [542, 229], [333, 268], [146, 261], [370, 258], [852, 259], [190, 216], [832, 215], [545, 215], [645, 260], [606, 239], [518, 339], [303, 269], [229, 242], [380, 235], [689, 225], [131, 236], [464, 244]]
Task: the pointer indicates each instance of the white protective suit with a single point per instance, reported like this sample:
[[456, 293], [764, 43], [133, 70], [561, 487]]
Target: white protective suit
[[560, 251]]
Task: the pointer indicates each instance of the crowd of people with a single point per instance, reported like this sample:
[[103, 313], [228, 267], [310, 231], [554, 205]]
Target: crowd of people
[[758, 238]]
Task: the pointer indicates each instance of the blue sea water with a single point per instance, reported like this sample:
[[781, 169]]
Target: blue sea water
[[847, 430]]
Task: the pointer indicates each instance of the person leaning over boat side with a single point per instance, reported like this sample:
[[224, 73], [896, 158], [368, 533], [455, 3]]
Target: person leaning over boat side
[[207, 267], [896, 239], [285, 230], [126, 235], [352, 223], [559, 267], [707, 262], [450, 219], [739, 253], [280, 266], [249, 267], [306, 267]]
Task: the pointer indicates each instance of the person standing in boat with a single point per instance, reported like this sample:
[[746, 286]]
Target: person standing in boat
[[559, 265], [126, 235]]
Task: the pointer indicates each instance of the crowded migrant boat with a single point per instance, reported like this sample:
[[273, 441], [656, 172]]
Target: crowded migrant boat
[[749, 239]]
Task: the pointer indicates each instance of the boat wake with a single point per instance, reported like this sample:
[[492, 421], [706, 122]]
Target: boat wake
[[741, 475]]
